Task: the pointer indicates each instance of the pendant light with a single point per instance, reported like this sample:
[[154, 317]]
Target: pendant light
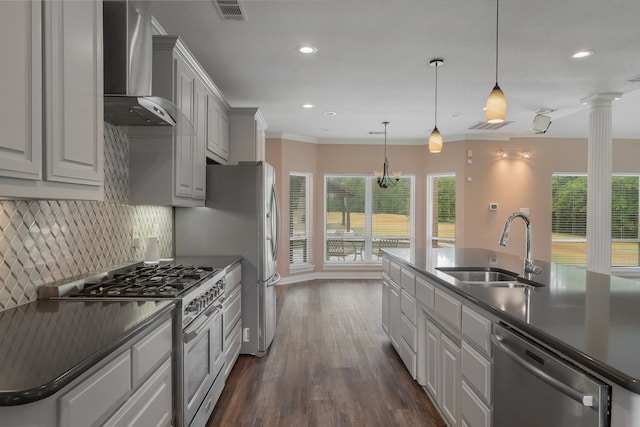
[[496, 107], [435, 139], [383, 178]]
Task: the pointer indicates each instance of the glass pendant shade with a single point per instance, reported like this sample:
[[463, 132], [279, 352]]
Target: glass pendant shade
[[435, 141], [496, 108]]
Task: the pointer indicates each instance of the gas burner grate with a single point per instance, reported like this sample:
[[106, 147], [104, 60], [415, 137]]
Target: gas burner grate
[[165, 281]]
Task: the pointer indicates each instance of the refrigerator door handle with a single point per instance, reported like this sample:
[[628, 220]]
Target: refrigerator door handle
[[276, 210], [273, 280]]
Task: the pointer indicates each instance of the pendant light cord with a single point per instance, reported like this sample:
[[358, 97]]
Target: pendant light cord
[[435, 121], [497, 18]]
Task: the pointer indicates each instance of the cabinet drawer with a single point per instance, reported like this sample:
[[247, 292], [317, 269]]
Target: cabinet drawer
[[233, 278], [232, 311], [150, 406], [408, 281], [408, 306], [409, 333], [394, 272], [448, 308], [98, 395], [477, 329], [477, 371], [425, 292], [232, 349], [474, 412], [146, 354], [408, 357]]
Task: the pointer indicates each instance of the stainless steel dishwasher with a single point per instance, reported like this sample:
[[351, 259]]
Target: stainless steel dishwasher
[[533, 387]]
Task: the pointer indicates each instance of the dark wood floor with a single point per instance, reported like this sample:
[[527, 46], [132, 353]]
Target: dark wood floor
[[330, 364]]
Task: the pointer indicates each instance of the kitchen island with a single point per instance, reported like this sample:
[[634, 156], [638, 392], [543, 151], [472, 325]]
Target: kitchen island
[[592, 319]]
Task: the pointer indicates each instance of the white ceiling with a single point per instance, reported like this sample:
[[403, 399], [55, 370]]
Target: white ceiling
[[372, 63]]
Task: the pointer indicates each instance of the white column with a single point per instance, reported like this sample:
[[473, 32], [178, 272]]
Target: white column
[[599, 167]]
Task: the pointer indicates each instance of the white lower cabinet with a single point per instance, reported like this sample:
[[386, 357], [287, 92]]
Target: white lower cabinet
[[104, 391], [444, 340], [385, 304], [474, 412], [394, 314], [130, 387], [232, 317], [150, 406], [450, 383]]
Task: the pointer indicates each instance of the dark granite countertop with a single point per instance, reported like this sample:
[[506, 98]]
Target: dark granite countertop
[[215, 261], [592, 318], [46, 344]]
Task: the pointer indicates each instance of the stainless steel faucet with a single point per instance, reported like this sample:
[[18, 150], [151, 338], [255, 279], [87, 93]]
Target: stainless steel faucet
[[529, 267]]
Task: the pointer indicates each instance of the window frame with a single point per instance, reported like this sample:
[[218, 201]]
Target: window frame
[[619, 269], [429, 208], [307, 264], [368, 247]]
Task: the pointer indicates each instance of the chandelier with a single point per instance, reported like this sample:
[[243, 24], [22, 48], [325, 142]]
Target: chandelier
[[383, 178]]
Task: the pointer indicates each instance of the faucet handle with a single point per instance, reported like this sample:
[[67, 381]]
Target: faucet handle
[[530, 268]]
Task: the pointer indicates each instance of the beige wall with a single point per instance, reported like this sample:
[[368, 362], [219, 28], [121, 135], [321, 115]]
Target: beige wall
[[512, 182]]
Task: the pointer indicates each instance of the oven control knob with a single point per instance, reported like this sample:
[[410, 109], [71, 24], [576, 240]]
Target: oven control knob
[[192, 307]]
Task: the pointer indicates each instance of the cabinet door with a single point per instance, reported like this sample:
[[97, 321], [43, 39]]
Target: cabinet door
[[224, 135], [73, 91], [213, 124], [394, 314], [21, 83], [450, 384], [432, 345], [200, 141], [184, 142], [385, 306]]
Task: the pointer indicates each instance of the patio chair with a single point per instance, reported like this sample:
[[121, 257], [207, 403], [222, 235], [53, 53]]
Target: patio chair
[[386, 243], [336, 248]]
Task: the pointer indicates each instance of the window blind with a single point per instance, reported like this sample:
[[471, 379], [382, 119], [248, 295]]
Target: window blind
[[299, 224]]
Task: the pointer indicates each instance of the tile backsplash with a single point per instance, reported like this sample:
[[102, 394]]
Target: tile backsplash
[[42, 241]]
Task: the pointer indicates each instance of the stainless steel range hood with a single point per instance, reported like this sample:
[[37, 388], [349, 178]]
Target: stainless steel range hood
[[128, 68]]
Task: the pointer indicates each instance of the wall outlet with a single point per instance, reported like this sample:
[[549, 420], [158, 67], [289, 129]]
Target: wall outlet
[[493, 206], [245, 335]]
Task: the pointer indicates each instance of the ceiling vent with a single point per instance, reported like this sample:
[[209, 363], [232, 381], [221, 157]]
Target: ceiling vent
[[488, 126], [230, 10]]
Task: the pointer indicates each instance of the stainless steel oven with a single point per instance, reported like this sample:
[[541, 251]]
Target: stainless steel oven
[[203, 356], [533, 387]]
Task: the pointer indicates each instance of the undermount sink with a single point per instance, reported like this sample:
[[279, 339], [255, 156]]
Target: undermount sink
[[487, 276]]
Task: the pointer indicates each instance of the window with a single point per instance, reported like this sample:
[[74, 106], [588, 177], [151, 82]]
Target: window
[[299, 219], [442, 210], [361, 218], [569, 220]]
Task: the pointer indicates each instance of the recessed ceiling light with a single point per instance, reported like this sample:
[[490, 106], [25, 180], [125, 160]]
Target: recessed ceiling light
[[308, 106], [324, 130], [582, 54], [330, 113], [306, 50], [455, 114]]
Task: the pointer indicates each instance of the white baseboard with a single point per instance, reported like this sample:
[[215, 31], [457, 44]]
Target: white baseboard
[[340, 275]]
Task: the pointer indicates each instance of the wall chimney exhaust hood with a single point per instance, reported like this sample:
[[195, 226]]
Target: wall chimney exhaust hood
[[128, 64]]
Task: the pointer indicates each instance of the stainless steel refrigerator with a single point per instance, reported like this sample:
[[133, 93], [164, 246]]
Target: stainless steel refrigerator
[[240, 217]]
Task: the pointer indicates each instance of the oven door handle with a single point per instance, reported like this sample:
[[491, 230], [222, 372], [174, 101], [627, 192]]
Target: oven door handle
[[578, 396], [209, 314]]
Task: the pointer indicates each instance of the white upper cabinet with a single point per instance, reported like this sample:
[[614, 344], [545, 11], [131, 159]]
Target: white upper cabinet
[[74, 91], [247, 130], [52, 145], [218, 131], [21, 82], [168, 165]]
